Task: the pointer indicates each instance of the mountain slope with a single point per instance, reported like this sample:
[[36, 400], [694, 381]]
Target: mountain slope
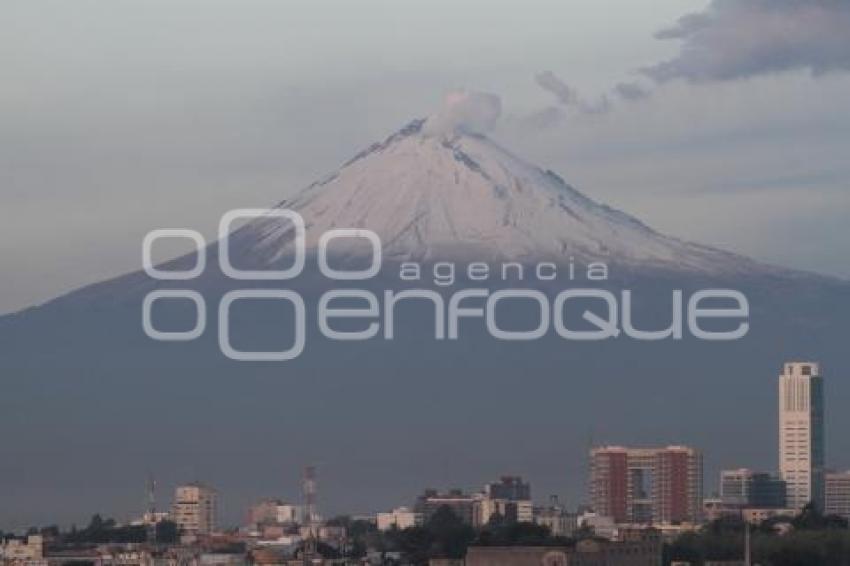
[[88, 391], [459, 195]]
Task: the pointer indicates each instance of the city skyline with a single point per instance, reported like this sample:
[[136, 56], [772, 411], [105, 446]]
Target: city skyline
[[629, 484]]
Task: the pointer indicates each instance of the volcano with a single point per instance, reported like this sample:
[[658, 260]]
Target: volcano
[[88, 393], [458, 195]]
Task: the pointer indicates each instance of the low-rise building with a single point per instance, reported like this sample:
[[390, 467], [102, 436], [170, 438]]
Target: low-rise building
[[460, 503], [645, 551], [289, 513], [509, 511], [601, 525], [263, 512], [511, 488], [24, 552], [838, 494], [399, 518], [754, 516], [559, 522], [714, 508], [509, 498], [748, 488], [275, 511]]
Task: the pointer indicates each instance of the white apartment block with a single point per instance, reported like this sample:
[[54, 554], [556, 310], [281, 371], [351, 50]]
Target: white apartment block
[[194, 509], [400, 518], [801, 433]]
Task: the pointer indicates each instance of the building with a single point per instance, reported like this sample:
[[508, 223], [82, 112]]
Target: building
[[714, 508], [555, 518], [647, 485], [462, 504], [509, 499], [642, 550], [801, 433], [23, 552], [602, 526], [756, 516], [194, 509], [509, 511], [263, 513], [399, 518], [837, 494], [289, 514], [511, 488], [746, 488]]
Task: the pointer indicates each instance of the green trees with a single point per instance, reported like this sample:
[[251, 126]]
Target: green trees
[[167, 532], [505, 533], [811, 519], [809, 539], [100, 531], [445, 535]]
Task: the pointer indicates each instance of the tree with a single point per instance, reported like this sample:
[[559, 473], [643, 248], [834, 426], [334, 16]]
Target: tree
[[502, 533], [813, 540], [810, 518], [167, 532], [451, 535], [50, 531]]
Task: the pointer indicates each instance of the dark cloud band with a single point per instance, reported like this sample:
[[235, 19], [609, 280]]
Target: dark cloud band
[[735, 39]]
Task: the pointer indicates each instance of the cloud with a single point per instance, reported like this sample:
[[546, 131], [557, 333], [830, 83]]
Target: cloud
[[601, 105], [734, 39], [465, 112], [630, 91], [548, 81], [566, 96], [540, 120]]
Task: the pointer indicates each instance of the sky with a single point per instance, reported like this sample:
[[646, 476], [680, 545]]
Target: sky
[[724, 122]]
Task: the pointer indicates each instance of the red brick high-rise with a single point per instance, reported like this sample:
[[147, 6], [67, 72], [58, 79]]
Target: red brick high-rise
[[646, 485]]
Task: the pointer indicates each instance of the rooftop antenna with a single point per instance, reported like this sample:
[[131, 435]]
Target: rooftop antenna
[[151, 508], [308, 486]]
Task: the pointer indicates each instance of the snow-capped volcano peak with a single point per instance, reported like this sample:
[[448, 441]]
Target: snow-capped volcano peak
[[441, 193]]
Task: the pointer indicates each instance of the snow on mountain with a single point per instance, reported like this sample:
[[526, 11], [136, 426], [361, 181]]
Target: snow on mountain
[[438, 193]]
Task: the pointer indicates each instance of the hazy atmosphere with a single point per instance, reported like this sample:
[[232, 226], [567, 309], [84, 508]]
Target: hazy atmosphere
[[542, 141], [119, 117]]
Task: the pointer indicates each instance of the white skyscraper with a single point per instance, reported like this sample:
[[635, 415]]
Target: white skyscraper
[[801, 433]]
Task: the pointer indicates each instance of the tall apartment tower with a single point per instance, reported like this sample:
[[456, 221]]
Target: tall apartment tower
[[801, 433], [647, 485], [194, 509]]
